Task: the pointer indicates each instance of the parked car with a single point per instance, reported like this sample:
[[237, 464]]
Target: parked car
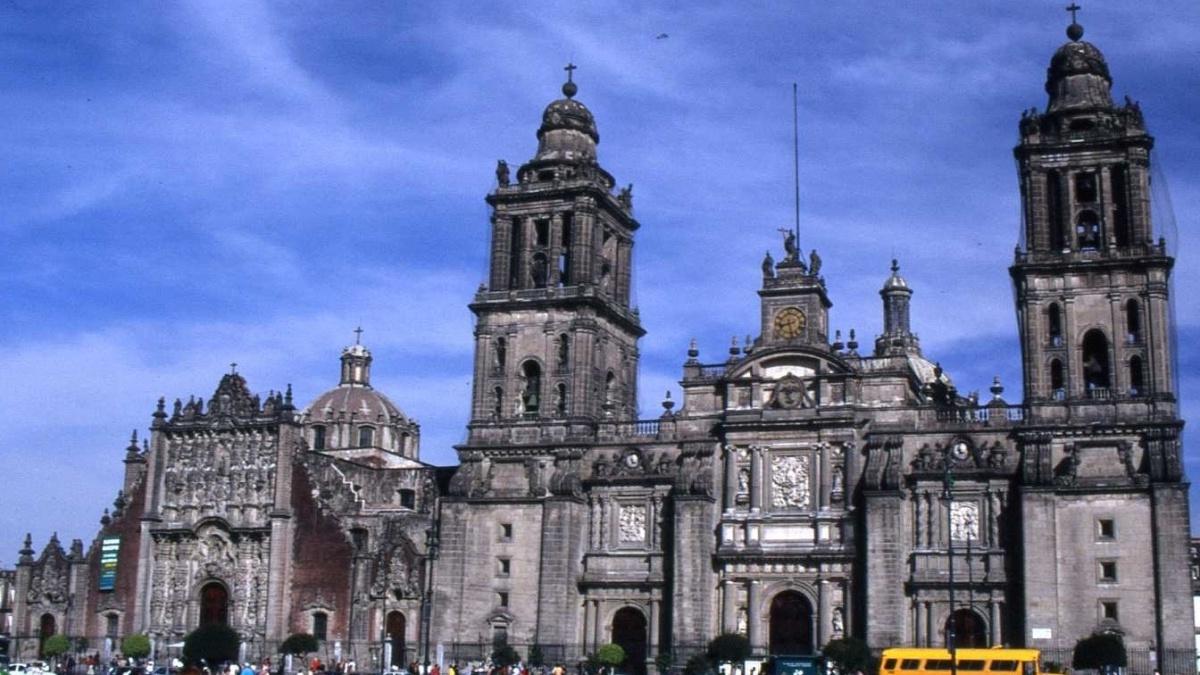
[[14, 668]]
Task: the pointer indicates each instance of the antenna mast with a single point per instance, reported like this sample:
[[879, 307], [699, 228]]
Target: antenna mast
[[796, 155]]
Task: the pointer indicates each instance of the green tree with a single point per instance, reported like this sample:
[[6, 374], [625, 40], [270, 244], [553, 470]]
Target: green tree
[[136, 646], [536, 657], [214, 643], [1100, 651], [504, 655], [848, 654], [55, 646], [300, 644], [610, 655], [663, 662], [729, 648], [698, 664]]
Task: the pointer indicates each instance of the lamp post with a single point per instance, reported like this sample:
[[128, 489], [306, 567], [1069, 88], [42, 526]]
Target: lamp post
[[432, 544], [948, 496]]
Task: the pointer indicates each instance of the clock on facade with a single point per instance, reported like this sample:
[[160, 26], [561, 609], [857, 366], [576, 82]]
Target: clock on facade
[[789, 322], [960, 451]]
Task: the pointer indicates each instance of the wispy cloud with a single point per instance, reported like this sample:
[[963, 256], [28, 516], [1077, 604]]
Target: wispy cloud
[[194, 184]]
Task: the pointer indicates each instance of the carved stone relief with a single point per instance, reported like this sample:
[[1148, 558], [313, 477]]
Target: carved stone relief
[[632, 526], [964, 521], [790, 484]]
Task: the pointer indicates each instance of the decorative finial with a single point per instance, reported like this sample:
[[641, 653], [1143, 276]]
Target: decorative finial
[[1074, 31], [358, 335], [997, 389], [233, 368], [569, 88], [667, 403], [895, 266], [693, 351]]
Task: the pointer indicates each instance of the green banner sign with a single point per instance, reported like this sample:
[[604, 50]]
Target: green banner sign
[[109, 548]]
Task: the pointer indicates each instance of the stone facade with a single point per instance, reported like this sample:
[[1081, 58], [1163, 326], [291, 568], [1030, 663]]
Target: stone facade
[[802, 492]]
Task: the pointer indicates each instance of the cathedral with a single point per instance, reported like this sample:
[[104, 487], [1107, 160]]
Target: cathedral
[[805, 487]]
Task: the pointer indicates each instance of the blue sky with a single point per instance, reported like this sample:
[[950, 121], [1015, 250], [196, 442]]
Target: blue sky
[[190, 184]]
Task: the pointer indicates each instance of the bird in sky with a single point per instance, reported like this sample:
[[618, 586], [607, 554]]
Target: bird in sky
[[661, 36]]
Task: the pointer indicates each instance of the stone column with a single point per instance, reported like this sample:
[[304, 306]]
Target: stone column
[[824, 611], [756, 478], [754, 617], [731, 479], [654, 630], [728, 606], [597, 629], [1073, 368], [919, 522], [997, 634], [1117, 379], [824, 487]]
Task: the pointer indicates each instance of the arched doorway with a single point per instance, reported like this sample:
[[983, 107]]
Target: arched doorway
[[629, 631], [969, 629], [47, 626], [791, 624], [396, 625], [214, 604]]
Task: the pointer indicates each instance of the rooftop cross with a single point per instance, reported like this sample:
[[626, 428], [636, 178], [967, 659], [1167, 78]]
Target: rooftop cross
[[570, 68], [569, 87], [358, 335], [1072, 8]]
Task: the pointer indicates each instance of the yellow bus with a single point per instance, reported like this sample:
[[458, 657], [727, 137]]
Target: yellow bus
[[936, 661]]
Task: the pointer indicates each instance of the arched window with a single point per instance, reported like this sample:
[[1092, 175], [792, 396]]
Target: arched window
[[531, 372], [1095, 361], [560, 399], [1087, 231], [1085, 187], [320, 625], [968, 629], [610, 387], [539, 270], [366, 437], [318, 437], [501, 353], [1054, 324], [1057, 384], [112, 625], [564, 351], [1133, 322], [1058, 237], [1136, 377]]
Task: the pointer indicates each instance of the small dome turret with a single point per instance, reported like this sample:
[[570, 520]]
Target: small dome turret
[[568, 131], [1078, 77]]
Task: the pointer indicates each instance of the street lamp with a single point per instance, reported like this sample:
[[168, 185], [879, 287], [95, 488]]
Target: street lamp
[[952, 454], [432, 544]]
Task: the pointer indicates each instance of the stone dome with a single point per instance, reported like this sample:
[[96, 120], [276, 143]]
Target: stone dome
[[361, 401], [354, 417]]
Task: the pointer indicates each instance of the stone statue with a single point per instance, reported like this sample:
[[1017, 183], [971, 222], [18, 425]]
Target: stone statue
[[768, 266], [814, 263], [789, 246], [625, 197], [839, 622], [502, 172]]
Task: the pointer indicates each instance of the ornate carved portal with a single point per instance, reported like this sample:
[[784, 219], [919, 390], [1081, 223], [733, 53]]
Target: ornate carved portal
[[791, 624]]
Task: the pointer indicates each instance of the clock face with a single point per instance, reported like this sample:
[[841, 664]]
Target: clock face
[[632, 460], [789, 323], [960, 450]]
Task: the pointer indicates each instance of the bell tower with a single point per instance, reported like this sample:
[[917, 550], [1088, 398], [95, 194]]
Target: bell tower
[[556, 337], [1101, 484], [1091, 280]]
